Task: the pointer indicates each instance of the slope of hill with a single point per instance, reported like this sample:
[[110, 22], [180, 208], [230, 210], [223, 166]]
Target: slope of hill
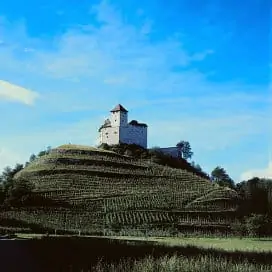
[[94, 190]]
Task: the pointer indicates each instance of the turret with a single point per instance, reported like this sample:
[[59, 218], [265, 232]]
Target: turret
[[119, 116]]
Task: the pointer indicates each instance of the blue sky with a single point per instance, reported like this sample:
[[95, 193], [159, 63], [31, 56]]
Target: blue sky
[[192, 70]]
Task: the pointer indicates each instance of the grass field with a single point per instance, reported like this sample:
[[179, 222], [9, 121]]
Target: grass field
[[130, 254], [229, 244], [180, 264]]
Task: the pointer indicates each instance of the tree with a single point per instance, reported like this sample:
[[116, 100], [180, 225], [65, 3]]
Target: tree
[[44, 152], [258, 225], [220, 176], [185, 149], [256, 195], [20, 192], [198, 167], [239, 228], [2, 193], [7, 181], [104, 146]]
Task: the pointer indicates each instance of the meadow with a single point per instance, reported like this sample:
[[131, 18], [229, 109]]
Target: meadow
[[228, 244], [180, 264], [108, 254]]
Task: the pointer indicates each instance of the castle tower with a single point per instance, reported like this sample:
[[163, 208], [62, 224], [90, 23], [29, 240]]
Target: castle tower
[[119, 116], [117, 130]]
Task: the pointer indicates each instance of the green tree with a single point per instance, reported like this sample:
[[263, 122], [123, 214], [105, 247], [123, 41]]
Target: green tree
[[257, 196], [185, 149], [239, 228], [2, 193], [198, 167], [220, 176], [259, 225], [7, 176], [104, 146], [20, 192], [44, 152]]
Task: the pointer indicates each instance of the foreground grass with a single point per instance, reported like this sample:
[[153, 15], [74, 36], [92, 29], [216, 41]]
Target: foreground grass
[[228, 244], [179, 264], [73, 253]]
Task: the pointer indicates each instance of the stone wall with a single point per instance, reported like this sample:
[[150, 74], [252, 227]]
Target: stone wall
[[109, 135], [134, 135]]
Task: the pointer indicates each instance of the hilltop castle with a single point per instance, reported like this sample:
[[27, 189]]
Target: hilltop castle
[[116, 129]]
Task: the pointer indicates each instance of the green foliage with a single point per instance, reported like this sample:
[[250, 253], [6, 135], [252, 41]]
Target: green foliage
[[44, 152], [220, 176], [239, 228], [104, 146], [155, 156], [2, 193], [11, 192], [7, 179], [106, 183], [19, 193], [259, 225], [256, 196], [185, 149], [114, 191]]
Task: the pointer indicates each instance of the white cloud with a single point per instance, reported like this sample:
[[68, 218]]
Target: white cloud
[[260, 173], [112, 52], [9, 158], [9, 91], [92, 67]]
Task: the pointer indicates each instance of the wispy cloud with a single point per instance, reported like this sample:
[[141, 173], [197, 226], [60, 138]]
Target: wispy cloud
[[10, 158], [113, 53], [261, 173], [84, 70], [12, 92]]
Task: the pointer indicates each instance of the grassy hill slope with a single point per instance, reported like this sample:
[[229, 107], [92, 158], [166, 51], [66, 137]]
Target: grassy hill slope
[[94, 190]]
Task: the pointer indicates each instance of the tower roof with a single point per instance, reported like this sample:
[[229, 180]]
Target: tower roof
[[119, 107]]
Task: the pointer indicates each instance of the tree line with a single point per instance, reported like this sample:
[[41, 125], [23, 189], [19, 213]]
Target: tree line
[[12, 192]]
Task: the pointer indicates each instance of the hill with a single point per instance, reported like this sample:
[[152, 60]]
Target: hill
[[87, 189]]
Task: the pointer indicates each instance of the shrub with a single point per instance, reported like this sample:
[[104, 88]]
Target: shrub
[[259, 225]]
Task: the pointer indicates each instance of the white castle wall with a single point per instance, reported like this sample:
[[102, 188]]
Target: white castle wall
[[120, 131], [109, 135], [118, 119], [134, 135]]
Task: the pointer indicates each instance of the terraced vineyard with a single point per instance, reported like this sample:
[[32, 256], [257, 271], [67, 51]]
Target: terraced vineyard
[[96, 190]]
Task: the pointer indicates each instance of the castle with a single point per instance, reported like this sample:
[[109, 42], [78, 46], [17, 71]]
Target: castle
[[116, 129]]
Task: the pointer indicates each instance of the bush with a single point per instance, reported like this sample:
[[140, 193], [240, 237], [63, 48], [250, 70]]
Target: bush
[[259, 225], [239, 228]]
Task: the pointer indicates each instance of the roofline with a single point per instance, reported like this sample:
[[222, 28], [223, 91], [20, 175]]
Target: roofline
[[122, 109]]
